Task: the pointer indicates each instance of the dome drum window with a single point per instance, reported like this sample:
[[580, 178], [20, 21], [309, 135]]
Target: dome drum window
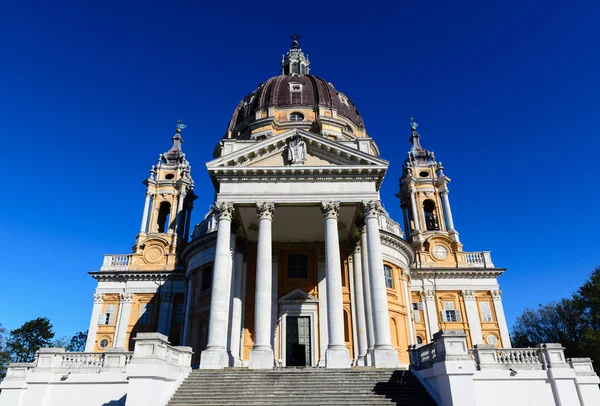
[[296, 116]]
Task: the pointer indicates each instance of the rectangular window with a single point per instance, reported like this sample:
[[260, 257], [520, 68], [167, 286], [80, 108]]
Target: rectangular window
[[206, 283], [179, 314], [145, 313], [108, 317], [450, 314], [416, 312], [389, 280], [486, 311], [297, 266]]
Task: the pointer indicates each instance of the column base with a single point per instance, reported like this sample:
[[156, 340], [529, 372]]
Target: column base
[[261, 358], [361, 361], [237, 362], [337, 357], [385, 357], [214, 358], [369, 358]]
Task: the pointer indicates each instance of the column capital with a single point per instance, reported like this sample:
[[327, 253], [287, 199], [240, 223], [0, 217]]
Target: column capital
[[468, 294], [496, 294], [444, 191], [360, 225], [224, 210], [149, 193], [427, 295], [126, 297], [265, 210], [98, 297], [356, 249], [330, 210], [371, 209], [405, 274]]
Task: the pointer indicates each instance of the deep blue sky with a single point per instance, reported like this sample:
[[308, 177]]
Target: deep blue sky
[[506, 94]]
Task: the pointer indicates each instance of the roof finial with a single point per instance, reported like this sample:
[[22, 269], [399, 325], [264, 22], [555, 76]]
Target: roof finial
[[413, 124], [180, 126], [295, 37]]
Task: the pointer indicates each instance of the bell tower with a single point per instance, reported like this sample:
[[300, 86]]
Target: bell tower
[[424, 198], [167, 210]]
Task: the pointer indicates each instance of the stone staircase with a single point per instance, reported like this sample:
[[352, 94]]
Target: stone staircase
[[357, 386]]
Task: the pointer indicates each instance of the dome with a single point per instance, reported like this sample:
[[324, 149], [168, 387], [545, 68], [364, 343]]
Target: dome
[[289, 91]]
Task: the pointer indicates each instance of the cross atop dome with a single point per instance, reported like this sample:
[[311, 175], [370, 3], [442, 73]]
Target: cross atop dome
[[295, 63]]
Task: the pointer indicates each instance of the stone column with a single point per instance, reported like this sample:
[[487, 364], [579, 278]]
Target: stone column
[[123, 320], [407, 229], [164, 315], [499, 310], [215, 355], [408, 300], [431, 312], [236, 310], [145, 214], [261, 355], [180, 213], [337, 355], [322, 286], [473, 317], [384, 354], [448, 210], [189, 300], [359, 303], [96, 310], [364, 251], [415, 212]]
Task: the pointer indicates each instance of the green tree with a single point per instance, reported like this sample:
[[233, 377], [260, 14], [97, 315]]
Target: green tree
[[4, 356], [587, 299], [77, 343], [27, 339]]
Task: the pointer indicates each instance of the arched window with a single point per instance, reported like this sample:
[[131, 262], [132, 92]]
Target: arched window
[[302, 69], [419, 340], [206, 283], [164, 217], [296, 116], [389, 278], [431, 219], [295, 68], [346, 326]]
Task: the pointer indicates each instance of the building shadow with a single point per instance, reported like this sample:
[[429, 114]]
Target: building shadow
[[404, 388], [120, 402]]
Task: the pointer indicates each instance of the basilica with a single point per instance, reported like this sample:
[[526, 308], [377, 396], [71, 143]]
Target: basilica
[[297, 264]]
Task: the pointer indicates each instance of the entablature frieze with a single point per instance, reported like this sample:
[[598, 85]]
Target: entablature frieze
[[105, 276], [454, 273]]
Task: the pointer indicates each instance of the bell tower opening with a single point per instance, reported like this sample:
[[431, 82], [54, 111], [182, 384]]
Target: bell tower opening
[[164, 217], [431, 216]]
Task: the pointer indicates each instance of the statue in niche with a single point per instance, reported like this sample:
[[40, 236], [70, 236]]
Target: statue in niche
[[297, 151], [431, 221]]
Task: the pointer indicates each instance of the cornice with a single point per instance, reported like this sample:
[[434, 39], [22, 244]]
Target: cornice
[[399, 244], [198, 244], [102, 276], [455, 273]]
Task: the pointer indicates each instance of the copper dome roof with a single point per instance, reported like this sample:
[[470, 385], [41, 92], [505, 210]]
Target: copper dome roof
[[278, 91]]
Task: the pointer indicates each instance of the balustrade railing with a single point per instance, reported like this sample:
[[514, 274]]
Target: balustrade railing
[[389, 225], [481, 259], [83, 360], [113, 262], [206, 226], [424, 356]]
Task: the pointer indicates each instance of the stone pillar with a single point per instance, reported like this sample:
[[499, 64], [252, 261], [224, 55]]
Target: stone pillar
[[337, 355], [384, 353], [473, 317], [409, 309], [236, 310], [96, 310], [364, 253], [188, 222], [415, 212], [261, 355], [164, 315], [180, 213], [143, 228], [406, 222], [499, 309], [322, 286], [123, 320], [189, 300], [215, 355], [431, 312], [449, 219], [359, 304]]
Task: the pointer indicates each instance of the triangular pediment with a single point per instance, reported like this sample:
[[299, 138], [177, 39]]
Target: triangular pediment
[[298, 295], [316, 151]]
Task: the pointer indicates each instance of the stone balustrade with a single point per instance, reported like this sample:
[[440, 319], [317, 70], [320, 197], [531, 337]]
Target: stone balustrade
[[206, 226], [390, 226], [59, 359], [118, 262], [488, 357], [481, 259]]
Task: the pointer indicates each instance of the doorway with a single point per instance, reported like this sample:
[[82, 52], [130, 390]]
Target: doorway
[[298, 341]]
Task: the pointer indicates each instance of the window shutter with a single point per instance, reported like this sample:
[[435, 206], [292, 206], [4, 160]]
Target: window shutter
[[419, 306], [102, 318], [111, 318], [416, 316], [443, 315], [458, 318]]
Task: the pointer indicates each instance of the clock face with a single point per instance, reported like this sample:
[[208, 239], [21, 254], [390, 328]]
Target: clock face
[[440, 252]]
